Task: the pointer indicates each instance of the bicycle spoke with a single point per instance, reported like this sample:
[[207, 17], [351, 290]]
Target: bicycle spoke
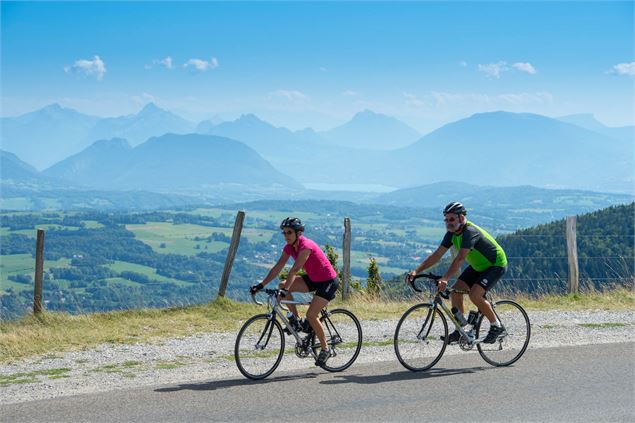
[[259, 347], [344, 336], [509, 347], [418, 342]]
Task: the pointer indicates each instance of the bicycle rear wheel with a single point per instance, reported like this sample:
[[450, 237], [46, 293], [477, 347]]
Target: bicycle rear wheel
[[418, 342], [344, 337], [259, 347], [512, 344]]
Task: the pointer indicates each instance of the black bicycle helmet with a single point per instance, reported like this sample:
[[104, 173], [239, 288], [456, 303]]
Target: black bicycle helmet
[[293, 223], [455, 207]]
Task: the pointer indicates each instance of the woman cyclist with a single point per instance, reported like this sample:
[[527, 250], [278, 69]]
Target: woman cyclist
[[320, 277]]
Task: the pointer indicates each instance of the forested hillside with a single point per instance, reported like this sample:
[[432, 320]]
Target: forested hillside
[[538, 256]]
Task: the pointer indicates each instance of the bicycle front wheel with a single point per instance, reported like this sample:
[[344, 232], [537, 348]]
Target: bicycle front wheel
[[421, 337], [509, 347], [343, 336], [259, 347]]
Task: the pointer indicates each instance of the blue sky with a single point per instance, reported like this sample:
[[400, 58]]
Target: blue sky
[[316, 64]]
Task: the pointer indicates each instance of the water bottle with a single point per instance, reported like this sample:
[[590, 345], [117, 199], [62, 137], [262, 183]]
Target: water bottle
[[459, 316], [472, 317]]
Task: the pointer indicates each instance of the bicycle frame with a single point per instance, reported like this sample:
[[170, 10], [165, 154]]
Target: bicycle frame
[[438, 302], [276, 307]]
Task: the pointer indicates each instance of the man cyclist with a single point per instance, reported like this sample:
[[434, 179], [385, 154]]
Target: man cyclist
[[320, 277], [487, 264]]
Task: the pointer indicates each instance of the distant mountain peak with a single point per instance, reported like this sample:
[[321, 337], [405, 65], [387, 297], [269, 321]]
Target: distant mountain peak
[[249, 117], [151, 108], [371, 130], [112, 143], [52, 107], [499, 113], [369, 114], [56, 110], [252, 120]]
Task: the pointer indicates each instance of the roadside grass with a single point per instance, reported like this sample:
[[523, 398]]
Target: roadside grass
[[603, 325], [37, 335], [59, 332], [32, 377]]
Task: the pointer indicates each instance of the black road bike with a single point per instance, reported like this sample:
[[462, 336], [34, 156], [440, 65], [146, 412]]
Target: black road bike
[[421, 336]]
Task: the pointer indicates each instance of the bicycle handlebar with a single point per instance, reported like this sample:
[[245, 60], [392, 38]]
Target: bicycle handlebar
[[270, 292], [445, 293], [411, 281]]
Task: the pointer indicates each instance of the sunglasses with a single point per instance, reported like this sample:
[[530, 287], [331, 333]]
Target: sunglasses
[[287, 232], [450, 220]]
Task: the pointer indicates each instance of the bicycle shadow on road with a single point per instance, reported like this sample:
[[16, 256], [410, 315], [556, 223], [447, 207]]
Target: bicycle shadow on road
[[401, 376], [230, 383]]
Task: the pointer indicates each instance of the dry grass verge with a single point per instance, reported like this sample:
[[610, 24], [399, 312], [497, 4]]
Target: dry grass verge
[[59, 332]]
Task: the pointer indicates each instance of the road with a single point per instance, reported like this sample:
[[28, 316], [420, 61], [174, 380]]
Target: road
[[583, 383]]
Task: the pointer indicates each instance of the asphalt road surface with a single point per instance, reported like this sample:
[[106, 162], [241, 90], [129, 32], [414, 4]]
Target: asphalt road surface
[[585, 383]]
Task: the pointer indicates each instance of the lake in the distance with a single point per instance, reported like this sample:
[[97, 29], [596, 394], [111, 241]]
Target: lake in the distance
[[349, 187]]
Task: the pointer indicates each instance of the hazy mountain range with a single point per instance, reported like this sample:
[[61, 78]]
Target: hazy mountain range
[[491, 149], [503, 148], [169, 163]]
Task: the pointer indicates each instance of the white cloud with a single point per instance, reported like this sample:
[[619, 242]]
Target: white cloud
[[624, 69], [95, 67], [350, 93], [167, 63], [323, 69], [524, 67], [201, 65], [463, 63], [290, 95], [412, 100], [494, 70]]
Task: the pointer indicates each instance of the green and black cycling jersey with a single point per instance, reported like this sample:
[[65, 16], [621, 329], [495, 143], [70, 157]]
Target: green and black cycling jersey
[[484, 250]]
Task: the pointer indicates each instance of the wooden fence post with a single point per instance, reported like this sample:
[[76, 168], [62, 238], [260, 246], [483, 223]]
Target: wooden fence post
[[231, 253], [572, 254], [39, 270], [346, 259]]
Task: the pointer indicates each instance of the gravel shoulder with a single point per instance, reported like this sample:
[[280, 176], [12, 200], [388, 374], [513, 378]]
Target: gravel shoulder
[[208, 356]]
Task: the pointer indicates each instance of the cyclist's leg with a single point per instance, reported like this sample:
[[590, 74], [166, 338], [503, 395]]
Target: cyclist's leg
[[457, 299], [324, 293], [465, 282], [477, 295], [313, 314], [298, 286], [487, 280]]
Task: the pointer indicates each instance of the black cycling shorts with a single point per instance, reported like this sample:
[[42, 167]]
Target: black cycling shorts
[[487, 279], [326, 289]]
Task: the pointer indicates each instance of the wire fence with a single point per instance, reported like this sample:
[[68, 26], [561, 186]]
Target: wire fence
[[537, 264]]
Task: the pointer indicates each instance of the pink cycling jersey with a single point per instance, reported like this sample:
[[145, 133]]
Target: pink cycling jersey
[[317, 266]]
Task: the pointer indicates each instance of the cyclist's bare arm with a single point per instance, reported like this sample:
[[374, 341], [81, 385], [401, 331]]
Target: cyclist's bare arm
[[276, 269], [456, 264], [431, 260], [299, 262]]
